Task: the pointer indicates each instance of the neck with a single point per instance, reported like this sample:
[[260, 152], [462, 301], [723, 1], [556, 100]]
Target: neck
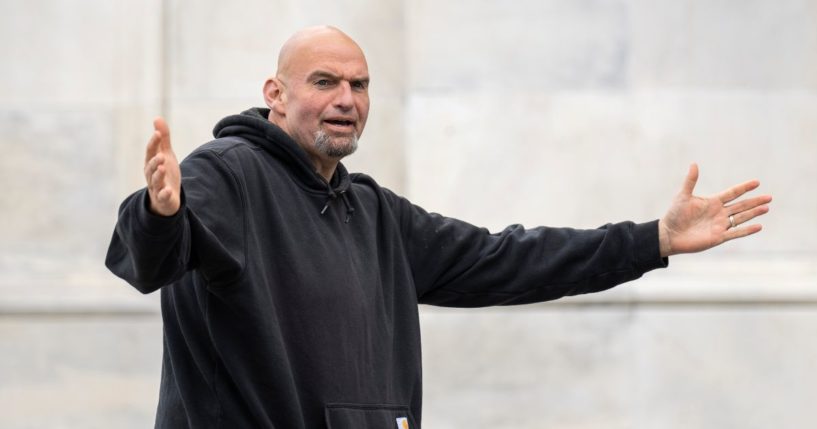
[[325, 168]]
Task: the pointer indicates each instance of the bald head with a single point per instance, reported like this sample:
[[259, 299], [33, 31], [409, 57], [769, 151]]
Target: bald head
[[306, 43]]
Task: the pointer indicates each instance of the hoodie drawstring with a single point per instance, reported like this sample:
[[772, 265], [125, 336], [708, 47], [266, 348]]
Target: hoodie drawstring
[[350, 210], [328, 201]]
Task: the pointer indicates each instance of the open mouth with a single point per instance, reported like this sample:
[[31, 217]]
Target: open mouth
[[340, 122]]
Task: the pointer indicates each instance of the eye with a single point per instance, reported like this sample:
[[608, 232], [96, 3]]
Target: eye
[[325, 83], [359, 84]]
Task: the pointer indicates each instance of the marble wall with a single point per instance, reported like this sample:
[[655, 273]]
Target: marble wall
[[548, 112]]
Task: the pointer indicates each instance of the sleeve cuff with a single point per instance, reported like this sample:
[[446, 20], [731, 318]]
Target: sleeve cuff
[[647, 249], [157, 225]]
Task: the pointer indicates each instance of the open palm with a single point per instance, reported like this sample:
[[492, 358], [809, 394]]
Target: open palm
[[695, 223], [162, 172]]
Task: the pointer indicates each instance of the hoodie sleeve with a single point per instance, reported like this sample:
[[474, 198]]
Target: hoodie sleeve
[[459, 265], [150, 251]]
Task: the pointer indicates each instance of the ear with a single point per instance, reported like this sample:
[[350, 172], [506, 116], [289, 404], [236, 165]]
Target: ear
[[274, 95]]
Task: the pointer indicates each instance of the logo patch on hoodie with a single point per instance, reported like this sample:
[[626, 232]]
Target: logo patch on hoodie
[[402, 423]]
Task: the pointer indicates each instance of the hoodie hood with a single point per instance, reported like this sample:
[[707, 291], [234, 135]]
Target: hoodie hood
[[253, 125]]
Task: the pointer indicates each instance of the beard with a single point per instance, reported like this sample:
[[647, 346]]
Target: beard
[[335, 147]]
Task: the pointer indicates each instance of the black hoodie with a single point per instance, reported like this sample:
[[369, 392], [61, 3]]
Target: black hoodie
[[290, 302]]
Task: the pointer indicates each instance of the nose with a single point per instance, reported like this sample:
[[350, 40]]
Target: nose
[[344, 99]]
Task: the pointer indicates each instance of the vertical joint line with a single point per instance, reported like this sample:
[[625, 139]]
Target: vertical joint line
[[164, 49]]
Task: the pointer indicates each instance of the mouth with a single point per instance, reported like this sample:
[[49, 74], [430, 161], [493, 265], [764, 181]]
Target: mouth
[[340, 124]]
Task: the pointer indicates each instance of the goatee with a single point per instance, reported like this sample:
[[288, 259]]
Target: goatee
[[335, 147]]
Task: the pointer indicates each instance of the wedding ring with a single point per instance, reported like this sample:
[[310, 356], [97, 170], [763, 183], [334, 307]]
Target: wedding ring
[[731, 221]]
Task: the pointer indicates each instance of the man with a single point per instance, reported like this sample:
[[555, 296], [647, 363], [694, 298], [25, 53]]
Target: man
[[290, 287]]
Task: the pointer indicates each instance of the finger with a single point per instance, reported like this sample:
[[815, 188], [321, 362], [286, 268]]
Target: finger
[[748, 204], [737, 190], [743, 231], [748, 215], [690, 180], [152, 165], [153, 146], [161, 127], [157, 180]]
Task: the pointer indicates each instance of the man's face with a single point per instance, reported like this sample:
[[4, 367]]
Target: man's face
[[325, 96]]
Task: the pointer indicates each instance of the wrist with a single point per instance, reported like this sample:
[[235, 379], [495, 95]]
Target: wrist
[[664, 242]]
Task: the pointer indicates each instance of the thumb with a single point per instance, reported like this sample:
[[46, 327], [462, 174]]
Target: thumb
[[690, 180]]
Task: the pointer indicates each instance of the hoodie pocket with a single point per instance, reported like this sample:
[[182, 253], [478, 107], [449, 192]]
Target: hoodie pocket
[[368, 416]]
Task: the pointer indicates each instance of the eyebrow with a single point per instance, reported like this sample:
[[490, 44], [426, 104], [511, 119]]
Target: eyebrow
[[328, 75]]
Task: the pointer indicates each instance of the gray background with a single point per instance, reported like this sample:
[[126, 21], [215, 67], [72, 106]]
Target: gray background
[[555, 112]]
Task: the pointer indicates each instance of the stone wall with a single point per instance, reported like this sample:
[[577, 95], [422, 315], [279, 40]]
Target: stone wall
[[550, 112]]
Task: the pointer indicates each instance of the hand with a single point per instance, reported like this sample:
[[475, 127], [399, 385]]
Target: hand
[[694, 223], [162, 172]]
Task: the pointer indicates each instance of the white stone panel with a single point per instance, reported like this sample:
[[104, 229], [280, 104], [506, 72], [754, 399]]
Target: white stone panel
[[57, 169], [525, 46], [723, 44], [720, 367], [79, 372], [79, 52], [620, 367]]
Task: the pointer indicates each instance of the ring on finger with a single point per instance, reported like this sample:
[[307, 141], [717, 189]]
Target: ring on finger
[[731, 221]]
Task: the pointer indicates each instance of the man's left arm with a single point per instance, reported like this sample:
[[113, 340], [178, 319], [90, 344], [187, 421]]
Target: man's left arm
[[457, 264]]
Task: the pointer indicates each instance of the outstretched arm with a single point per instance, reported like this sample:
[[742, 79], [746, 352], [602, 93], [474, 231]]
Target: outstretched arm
[[695, 223], [161, 234], [162, 172]]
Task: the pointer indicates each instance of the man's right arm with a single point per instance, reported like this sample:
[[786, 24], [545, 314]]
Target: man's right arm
[[172, 225]]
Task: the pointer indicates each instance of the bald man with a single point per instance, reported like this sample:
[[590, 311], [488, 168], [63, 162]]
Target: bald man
[[289, 287]]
